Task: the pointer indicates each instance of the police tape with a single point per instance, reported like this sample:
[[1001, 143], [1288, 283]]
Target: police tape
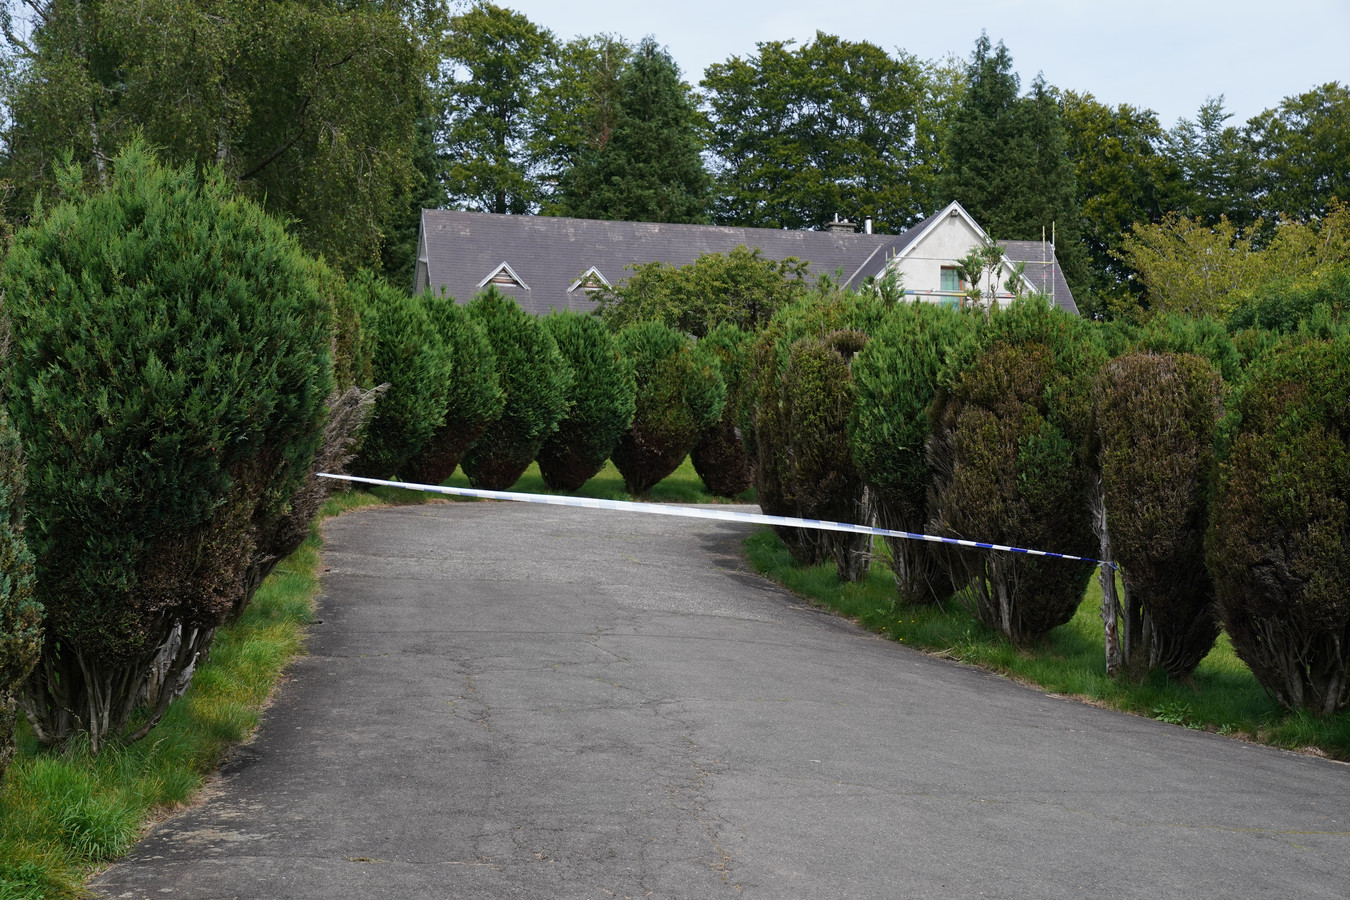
[[698, 512]]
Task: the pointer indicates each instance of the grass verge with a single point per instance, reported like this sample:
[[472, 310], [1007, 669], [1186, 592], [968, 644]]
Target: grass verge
[[681, 486], [1222, 696], [64, 814]]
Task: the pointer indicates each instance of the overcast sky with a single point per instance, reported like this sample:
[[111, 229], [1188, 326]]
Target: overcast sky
[[1167, 55]]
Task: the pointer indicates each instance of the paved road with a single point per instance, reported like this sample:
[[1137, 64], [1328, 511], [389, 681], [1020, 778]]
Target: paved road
[[518, 701]]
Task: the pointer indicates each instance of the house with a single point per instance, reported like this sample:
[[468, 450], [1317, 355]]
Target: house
[[549, 262]]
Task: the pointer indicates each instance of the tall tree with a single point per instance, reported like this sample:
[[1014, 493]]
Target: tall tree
[[1303, 150], [308, 106], [1123, 176], [1007, 161], [802, 134], [577, 106], [496, 58], [651, 168], [1218, 163]]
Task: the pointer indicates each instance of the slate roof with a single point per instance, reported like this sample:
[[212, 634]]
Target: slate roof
[[549, 254], [1042, 270]]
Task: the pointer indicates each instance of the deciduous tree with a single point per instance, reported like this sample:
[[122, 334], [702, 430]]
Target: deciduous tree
[[804, 133]]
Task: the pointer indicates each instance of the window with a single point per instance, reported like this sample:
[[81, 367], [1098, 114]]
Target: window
[[590, 281], [951, 280], [504, 276]]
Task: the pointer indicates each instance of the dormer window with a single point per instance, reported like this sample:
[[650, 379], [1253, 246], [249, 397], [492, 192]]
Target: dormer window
[[590, 281], [504, 276]]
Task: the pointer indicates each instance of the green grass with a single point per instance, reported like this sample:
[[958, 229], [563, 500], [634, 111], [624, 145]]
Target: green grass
[[1222, 695], [681, 486], [64, 813]]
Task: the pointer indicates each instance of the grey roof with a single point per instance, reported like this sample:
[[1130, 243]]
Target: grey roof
[[459, 250], [1042, 270]]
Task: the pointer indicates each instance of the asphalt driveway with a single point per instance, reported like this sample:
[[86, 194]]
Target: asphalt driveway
[[508, 700]]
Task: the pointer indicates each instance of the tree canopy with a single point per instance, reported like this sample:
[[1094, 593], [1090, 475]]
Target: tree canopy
[[650, 167]]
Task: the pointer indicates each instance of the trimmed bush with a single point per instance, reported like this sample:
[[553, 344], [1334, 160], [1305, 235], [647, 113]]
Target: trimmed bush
[[1156, 415], [474, 397], [1010, 450], [895, 379], [820, 474], [719, 457], [1279, 540], [769, 433], [534, 380], [169, 368], [679, 394], [601, 401], [20, 613], [408, 355], [349, 408]]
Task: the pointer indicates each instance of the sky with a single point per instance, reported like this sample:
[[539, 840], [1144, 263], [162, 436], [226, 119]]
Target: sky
[[1166, 55]]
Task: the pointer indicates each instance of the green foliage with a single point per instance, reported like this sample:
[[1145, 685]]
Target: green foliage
[[820, 476], [601, 401], [577, 105], [1192, 268], [740, 288], [1218, 165], [1006, 159], [535, 379], [803, 133], [169, 369], [680, 393], [307, 107], [768, 432], [1203, 337], [1303, 148], [1286, 305], [1277, 547], [719, 457], [410, 356], [60, 812], [1156, 414], [496, 57], [1010, 457], [650, 169], [20, 613], [1123, 176], [895, 379], [473, 392]]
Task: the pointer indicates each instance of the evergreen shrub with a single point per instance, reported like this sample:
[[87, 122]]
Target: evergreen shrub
[[601, 401], [895, 379], [169, 369], [1156, 415], [20, 613], [767, 428], [719, 457], [534, 380], [1279, 541], [820, 474], [680, 392], [474, 397], [407, 354], [1009, 453]]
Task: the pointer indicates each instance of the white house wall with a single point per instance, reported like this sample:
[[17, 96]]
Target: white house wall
[[950, 239]]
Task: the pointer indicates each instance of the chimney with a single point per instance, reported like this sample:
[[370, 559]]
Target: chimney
[[867, 225], [838, 225]]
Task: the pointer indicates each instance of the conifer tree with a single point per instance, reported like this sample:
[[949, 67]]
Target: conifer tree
[[651, 168], [1007, 159]]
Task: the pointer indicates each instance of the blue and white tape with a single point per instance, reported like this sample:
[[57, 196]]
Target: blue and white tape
[[721, 515]]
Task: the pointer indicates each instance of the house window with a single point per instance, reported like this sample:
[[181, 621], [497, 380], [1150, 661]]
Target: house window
[[951, 280], [950, 287], [590, 281], [503, 276]]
